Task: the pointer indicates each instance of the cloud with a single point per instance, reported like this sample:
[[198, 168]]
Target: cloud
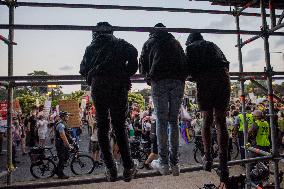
[[65, 68], [254, 55], [279, 42], [225, 22]]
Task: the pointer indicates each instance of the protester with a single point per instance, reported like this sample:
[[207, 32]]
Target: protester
[[239, 127], [108, 64], [95, 148], [209, 68], [42, 129], [163, 63], [63, 143]]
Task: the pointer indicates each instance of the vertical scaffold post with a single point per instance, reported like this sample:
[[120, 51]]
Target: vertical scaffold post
[[272, 13], [242, 98], [269, 73], [10, 94]]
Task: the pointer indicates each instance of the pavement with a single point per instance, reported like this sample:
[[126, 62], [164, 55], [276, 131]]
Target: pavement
[[146, 179]]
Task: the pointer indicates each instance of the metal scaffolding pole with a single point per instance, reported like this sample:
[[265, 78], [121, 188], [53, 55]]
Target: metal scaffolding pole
[[249, 75], [119, 7], [272, 13], [134, 29], [243, 103], [270, 93], [281, 18], [10, 95]]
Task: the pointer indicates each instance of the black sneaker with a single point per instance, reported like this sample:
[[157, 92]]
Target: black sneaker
[[63, 177], [128, 174], [111, 174], [207, 163]]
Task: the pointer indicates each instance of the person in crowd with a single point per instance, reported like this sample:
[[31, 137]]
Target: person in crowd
[[95, 146], [2, 132], [32, 129], [23, 136], [42, 129], [63, 143], [137, 126], [16, 138], [261, 130], [281, 128], [239, 127], [154, 145], [163, 64], [209, 68], [108, 64]]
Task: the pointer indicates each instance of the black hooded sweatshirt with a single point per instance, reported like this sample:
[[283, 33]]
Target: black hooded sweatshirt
[[162, 57], [108, 57]]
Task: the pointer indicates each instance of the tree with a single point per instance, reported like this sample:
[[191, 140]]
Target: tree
[[28, 101], [146, 93], [137, 98], [76, 95]]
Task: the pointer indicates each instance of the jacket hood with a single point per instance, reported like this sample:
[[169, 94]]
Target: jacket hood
[[161, 35], [102, 38]]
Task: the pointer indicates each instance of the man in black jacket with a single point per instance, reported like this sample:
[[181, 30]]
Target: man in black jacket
[[163, 63], [210, 69], [108, 64]]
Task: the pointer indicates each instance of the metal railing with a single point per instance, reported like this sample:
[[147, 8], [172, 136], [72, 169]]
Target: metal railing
[[34, 80]]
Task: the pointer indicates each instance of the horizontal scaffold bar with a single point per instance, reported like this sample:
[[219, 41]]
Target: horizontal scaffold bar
[[134, 29], [135, 77], [137, 8]]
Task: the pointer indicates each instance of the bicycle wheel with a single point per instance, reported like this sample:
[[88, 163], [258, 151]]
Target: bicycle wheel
[[235, 150], [82, 164], [198, 155], [43, 169]]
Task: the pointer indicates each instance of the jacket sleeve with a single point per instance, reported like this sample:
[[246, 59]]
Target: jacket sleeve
[[144, 60], [132, 62], [190, 61], [84, 64]]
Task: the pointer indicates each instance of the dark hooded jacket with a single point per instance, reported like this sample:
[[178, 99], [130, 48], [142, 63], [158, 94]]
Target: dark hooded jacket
[[205, 57], [109, 58], [162, 57]]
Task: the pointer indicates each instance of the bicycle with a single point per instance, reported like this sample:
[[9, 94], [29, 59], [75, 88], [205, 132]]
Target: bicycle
[[198, 150], [44, 166], [140, 150]]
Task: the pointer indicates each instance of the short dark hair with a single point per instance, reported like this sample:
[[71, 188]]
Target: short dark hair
[[160, 25], [196, 36], [102, 24]]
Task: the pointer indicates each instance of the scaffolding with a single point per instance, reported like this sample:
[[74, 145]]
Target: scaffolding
[[13, 81]]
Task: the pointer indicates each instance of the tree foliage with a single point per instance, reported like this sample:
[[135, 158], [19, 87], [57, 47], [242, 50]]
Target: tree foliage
[[28, 101], [135, 97], [76, 95]]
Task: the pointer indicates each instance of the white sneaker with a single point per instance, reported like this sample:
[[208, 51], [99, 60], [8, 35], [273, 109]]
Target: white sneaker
[[175, 170], [163, 169]]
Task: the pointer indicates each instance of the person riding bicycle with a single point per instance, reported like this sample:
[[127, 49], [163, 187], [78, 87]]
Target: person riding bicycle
[[63, 142]]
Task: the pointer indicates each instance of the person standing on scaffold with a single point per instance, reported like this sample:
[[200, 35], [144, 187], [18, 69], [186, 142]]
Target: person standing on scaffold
[[209, 68]]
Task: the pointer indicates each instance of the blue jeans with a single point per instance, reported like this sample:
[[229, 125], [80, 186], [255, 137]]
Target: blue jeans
[[167, 97]]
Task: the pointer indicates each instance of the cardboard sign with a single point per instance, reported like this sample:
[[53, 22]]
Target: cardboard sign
[[71, 106]]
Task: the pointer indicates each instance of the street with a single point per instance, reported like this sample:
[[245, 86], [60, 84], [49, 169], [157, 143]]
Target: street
[[22, 173]]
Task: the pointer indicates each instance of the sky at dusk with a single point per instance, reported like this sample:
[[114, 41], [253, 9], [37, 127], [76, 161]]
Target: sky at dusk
[[60, 52]]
